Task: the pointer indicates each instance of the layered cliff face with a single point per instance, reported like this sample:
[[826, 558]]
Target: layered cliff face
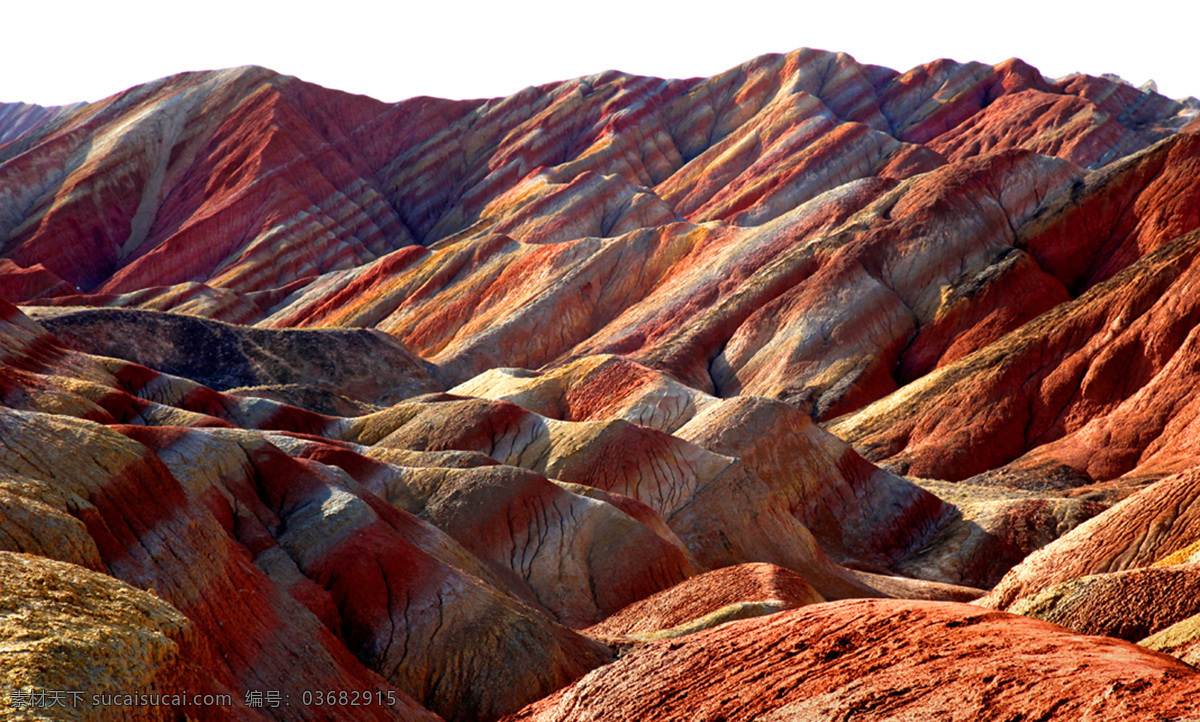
[[710, 397]]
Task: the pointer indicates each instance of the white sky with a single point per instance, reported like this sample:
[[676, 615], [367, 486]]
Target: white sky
[[84, 50]]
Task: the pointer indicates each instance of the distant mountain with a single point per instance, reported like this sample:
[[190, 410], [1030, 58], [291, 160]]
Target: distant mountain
[[17, 119]]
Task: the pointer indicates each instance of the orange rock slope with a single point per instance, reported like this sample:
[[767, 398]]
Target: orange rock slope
[[619, 397]]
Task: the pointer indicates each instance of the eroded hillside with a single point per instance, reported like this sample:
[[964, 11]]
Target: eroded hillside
[[719, 397]]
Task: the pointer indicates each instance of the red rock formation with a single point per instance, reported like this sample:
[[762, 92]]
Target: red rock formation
[[678, 150], [642, 295], [578, 559], [148, 530], [231, 531], [26, 284], [1131, 604], [346, 180], [708, 593], [987, 537], [880, 659], [858, 512], [1120, 401], [368, 565], [19, 119], [190, 168], [705, 498], [1068, 126], [1158, 521]]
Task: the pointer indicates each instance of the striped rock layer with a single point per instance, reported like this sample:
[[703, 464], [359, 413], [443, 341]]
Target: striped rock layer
[[707, 397]]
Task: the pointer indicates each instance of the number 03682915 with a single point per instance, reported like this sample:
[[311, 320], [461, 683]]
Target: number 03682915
[[348, 698]]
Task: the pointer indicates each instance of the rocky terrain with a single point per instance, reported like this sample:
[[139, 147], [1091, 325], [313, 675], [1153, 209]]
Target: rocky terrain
[[811, 390]]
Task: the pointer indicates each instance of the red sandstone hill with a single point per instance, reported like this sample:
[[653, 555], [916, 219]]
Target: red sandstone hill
[[700, 399]]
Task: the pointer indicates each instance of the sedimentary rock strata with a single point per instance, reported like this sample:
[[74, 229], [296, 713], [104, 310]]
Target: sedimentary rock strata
[[617, 398], [1145, 528], [876, 659], [708, 593], [1131, 604]]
